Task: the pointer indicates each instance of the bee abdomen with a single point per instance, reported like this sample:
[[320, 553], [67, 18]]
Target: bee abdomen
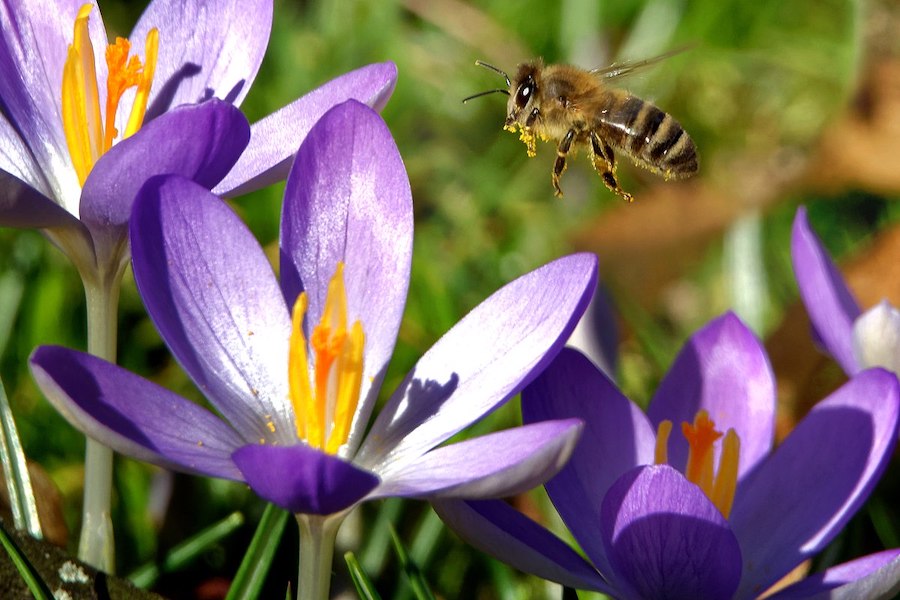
[[656, 140]]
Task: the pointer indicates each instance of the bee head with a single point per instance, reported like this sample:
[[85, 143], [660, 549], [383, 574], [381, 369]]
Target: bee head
[[522, 93]]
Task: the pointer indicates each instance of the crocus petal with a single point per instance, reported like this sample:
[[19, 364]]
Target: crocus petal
[[483, 360], [873, 576], [723, 369], [495, 528], [348, 200], [23, 206], [200, 142], [817, 479], [206, 49], [134, 416], [830, 304], [665, 539], [496, 465], [33, 50], [617, 437], [212, 294], [302, 480], [275, 138], [876, 338]]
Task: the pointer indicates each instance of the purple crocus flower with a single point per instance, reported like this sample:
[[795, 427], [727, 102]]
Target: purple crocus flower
[[653, 513], [294, 367], [856, 340], [64, 111]]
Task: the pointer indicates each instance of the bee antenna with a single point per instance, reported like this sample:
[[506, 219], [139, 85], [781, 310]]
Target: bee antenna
[[480, 94], [495, 70]]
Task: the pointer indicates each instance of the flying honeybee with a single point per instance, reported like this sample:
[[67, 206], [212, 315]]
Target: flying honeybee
[[575, 107]]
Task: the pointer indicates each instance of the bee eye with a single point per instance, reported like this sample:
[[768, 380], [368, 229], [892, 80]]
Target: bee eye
[[525, 91]]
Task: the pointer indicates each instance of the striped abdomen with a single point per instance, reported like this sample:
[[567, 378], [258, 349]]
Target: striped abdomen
[[652, 138]]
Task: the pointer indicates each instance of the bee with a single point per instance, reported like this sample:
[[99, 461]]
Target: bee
[[575, 107]]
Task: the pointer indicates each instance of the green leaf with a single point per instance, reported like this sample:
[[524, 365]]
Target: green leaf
[[364, 586], [187, 551], [31, 577], [251, 575], [15, 472], [416, 580]]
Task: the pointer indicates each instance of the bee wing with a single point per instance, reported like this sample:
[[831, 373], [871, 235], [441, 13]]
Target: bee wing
[[628, 67]]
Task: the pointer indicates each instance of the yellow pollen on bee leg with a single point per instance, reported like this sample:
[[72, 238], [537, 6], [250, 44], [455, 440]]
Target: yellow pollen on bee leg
[[87, 135], [325, 403]]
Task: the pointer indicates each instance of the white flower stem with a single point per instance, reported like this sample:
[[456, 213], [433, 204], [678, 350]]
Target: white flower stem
[[317, 535], [96, 545]]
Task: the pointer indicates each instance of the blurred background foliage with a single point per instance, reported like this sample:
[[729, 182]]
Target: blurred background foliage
[[789, 102]]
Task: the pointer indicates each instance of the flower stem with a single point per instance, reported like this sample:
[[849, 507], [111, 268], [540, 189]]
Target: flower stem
[[317, 535], [96, 545]]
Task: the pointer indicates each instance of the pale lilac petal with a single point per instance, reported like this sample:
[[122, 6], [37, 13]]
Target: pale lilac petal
[[33, 48], [799, 498], [199, 142], [23, 206], [597, 335], [484, 360], [617, 437], [876, 338], [211, 293], [665, 539], [302, 480], [134, 416], [828, 301], [723, 369], [495, 528], [274, 139], [206, 49], [348, 200], [496, 465], [873, 576], [16, 160]]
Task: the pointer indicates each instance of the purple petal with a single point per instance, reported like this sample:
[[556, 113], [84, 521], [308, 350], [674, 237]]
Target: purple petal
[[801, 497], [199, 142], [134, 416], [275, 138], [830, 304], [496, 465], [873, 576], [212, 294], [665, 539], [597, 334], [876, 338], [33, 48], [23, 206], [206, 49], [348, 200], [495, 528], [302, 480], [483, 360], [723, 369], [617, 437]]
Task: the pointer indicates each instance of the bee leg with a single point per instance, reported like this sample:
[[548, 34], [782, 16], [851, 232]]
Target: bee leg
[[605, 163], [562, 150]]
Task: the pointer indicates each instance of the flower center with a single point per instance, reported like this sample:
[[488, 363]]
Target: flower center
[[701, 435], [325, 403], [87, 134]]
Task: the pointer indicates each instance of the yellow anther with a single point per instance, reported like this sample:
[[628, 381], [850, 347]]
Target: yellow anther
[[661, 452], [88, 136], [726, 477], [325, 406]]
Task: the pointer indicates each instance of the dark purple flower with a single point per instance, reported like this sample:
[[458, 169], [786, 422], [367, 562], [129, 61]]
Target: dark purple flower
[[659, 516], [856, 340], [295, 398], [64, 165]]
